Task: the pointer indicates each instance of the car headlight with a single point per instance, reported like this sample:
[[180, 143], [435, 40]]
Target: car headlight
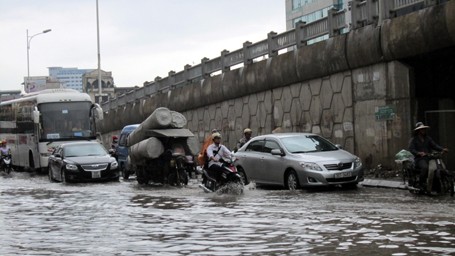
[[71, 167], [114, 165], [311, 166], [357, 163]]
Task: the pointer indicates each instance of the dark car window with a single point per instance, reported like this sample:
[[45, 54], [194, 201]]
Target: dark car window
[[269, 145], [255, 146], [122, 140], [58, 150]]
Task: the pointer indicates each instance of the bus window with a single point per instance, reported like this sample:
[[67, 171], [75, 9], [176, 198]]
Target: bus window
[[66, 120]]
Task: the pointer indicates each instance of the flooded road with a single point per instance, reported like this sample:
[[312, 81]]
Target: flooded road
[[122, 218]]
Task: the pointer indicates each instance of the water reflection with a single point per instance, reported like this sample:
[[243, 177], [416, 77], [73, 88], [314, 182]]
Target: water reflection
[[160, 202], [42, 218]]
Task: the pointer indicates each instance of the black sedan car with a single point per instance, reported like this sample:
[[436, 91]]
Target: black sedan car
[[82, 161]]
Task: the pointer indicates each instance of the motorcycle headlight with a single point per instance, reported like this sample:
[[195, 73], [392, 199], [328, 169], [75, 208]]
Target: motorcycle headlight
[[172, 163], [71, 167], [311, 166], [357, 163], [114, 165]]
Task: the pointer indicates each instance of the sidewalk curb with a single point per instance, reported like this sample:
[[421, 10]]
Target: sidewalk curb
[[383, 183]]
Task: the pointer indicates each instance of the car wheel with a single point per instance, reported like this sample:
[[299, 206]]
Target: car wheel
[[242, 174], [49, 174], [124, 172], [292, 181], [64, 179]]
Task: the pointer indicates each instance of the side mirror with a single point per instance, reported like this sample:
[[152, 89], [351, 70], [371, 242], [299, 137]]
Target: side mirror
[[97, 111], [339, 146], [35, 116], [277, 152]]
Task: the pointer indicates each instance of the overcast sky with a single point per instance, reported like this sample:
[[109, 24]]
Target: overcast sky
[[139, 39]]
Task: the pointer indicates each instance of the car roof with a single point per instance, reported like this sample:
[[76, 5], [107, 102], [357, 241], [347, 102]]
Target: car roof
[[129, 128], [284, 135]]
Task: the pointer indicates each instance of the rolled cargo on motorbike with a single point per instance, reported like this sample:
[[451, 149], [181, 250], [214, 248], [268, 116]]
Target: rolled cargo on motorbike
[[146, 149], [178, 120], [160, 118]]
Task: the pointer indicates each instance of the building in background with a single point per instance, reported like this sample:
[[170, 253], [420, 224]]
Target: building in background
[[90, 86], [311, 10], [70, 78], [39, 83], [9, 95]]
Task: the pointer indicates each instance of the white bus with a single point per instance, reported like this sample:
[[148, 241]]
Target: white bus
[[36, 123]]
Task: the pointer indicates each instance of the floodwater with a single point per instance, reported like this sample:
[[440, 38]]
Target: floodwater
[[123, 218]]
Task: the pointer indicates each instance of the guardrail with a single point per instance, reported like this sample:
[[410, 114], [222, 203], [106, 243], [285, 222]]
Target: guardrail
[[363, 13]]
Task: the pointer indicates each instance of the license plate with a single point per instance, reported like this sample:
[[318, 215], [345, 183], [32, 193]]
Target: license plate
[[96, 175], [343, 175]]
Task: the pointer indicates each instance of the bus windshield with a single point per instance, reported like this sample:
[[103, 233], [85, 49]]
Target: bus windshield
[[65, 120]]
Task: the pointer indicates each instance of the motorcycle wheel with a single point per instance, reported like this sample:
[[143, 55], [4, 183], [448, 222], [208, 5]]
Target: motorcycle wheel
[[174, 180], [183, 175], [446, 185]]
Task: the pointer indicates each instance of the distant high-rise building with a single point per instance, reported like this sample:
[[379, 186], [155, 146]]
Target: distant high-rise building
[[311, 10], [69, 77]]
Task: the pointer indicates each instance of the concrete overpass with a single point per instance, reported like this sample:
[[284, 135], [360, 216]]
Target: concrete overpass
[[364, 89]]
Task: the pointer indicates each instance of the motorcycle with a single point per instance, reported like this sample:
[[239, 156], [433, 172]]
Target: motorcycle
[[178, 166], [5, 163], [230, 182], [440, 181]]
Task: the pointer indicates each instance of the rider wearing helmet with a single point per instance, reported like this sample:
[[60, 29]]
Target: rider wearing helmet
[[420, 146], [215, 152], [246, 137]]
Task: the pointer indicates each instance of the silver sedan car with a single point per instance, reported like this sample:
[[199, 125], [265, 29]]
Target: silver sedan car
[[297, 160]]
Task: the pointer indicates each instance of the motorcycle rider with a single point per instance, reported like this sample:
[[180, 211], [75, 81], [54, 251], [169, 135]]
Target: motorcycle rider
[[215, 153], [246, 137], [4, 149], [114, 145], [420, 146], [203, 153]]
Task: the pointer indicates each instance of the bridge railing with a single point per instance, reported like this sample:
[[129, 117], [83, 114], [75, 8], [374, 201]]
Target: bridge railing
[[363, 12]]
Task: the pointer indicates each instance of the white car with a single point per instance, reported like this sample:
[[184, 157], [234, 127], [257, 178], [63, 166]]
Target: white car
[[297, 160]]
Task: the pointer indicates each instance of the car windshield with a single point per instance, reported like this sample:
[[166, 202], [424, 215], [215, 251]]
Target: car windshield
[[307, 143], [85, 150]]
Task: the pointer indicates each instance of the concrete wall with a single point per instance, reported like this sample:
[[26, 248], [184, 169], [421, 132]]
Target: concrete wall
[[340, 107]]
